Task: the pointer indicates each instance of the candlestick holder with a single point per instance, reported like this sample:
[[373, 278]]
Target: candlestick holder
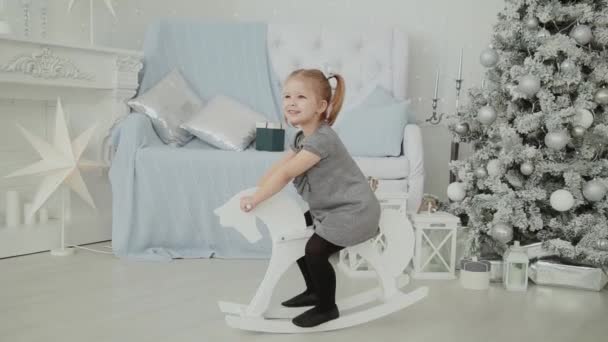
[[436, 118]]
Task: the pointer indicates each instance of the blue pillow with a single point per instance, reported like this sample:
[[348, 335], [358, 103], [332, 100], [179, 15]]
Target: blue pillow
[[374, 128]]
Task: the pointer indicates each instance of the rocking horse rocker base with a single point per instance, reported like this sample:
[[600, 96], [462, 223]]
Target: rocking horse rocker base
[[396, 303], [285, 222]]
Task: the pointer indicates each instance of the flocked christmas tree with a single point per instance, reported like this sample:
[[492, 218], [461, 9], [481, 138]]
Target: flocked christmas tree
[[539, 131]]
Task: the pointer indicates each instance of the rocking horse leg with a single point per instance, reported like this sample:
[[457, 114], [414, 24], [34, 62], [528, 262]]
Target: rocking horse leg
[[387, 281], [284, 254]]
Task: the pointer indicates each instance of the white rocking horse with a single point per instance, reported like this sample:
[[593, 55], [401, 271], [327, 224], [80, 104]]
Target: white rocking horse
[[285, 221]]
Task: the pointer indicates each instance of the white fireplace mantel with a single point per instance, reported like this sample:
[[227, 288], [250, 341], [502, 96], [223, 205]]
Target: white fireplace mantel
[[48, 64], [94, 84], [42, 70]]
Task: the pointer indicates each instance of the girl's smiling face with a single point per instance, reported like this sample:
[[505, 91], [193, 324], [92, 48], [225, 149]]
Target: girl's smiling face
[[301, 104]]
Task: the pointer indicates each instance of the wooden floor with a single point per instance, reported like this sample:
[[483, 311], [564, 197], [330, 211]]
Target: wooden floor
[[98, 297]]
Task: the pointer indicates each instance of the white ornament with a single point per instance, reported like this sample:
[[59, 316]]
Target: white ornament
[[456, 191], [578, 131], [486, 115], [532, 23], [529, 85], [481, 172], [594, 191], [494, 167], [561, 200], [583, 118], [601, 96], [526, 168], [557, 140], [567, 66], [582, 34], [61, 161]]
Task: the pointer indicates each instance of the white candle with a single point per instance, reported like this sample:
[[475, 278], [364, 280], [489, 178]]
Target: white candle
[[460, 66], [436, 83], [44, 215], [27, 218], [483, 83], [12, 209]]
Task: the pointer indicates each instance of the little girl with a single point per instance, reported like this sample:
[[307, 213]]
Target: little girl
[[342, 205]]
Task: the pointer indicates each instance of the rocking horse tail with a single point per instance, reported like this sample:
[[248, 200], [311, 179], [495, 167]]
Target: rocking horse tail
[[387, 280], [400, 238]]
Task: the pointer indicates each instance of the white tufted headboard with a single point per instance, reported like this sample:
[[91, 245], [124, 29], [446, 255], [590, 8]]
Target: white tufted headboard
[[364, 57]]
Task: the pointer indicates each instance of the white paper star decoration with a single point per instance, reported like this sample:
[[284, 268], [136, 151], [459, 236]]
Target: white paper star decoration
[[61, 162], [91, 15], [107, 2]]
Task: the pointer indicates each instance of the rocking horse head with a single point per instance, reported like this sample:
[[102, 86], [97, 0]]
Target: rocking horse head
[[280, 213]]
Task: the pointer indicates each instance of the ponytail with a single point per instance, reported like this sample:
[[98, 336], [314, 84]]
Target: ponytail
[[336, 100]]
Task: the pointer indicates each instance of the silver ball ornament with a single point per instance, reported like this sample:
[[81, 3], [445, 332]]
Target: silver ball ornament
[[532, 23], [486, 115], [561, 200], [557, 140], [462, 128], [567, 66], [488, 58], [602, 245], [481, 172], [583, 118], [594, 191], [581, 34], [526, 168], [543, 34], [578, 131], [601, 96], [456, 191], [502, 232], [529, 85]]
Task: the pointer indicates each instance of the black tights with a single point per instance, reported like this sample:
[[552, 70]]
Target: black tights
[[318, 273]]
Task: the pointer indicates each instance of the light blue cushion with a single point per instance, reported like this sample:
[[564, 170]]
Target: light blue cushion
[[374, 128]]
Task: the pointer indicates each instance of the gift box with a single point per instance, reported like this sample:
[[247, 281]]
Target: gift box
[[554, 273], [536, 251], [475, 274], [269, 136], [495, 264]]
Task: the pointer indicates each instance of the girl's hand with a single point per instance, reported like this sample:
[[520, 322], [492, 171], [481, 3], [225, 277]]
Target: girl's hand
[[247, 204]]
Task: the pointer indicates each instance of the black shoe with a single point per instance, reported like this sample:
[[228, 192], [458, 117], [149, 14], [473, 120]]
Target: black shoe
[[316, 316], [303, 299]]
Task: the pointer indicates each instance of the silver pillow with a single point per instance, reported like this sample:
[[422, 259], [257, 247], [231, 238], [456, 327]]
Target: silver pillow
[[169, 103], [225, 123]]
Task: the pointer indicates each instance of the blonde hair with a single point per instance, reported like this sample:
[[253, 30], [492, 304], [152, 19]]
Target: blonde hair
[[323, 90]]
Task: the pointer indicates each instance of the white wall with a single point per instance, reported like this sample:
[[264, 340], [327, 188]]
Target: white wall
[[437, 28]]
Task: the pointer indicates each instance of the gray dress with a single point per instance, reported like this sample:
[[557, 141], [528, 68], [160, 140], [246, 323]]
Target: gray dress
[[344, 208]]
